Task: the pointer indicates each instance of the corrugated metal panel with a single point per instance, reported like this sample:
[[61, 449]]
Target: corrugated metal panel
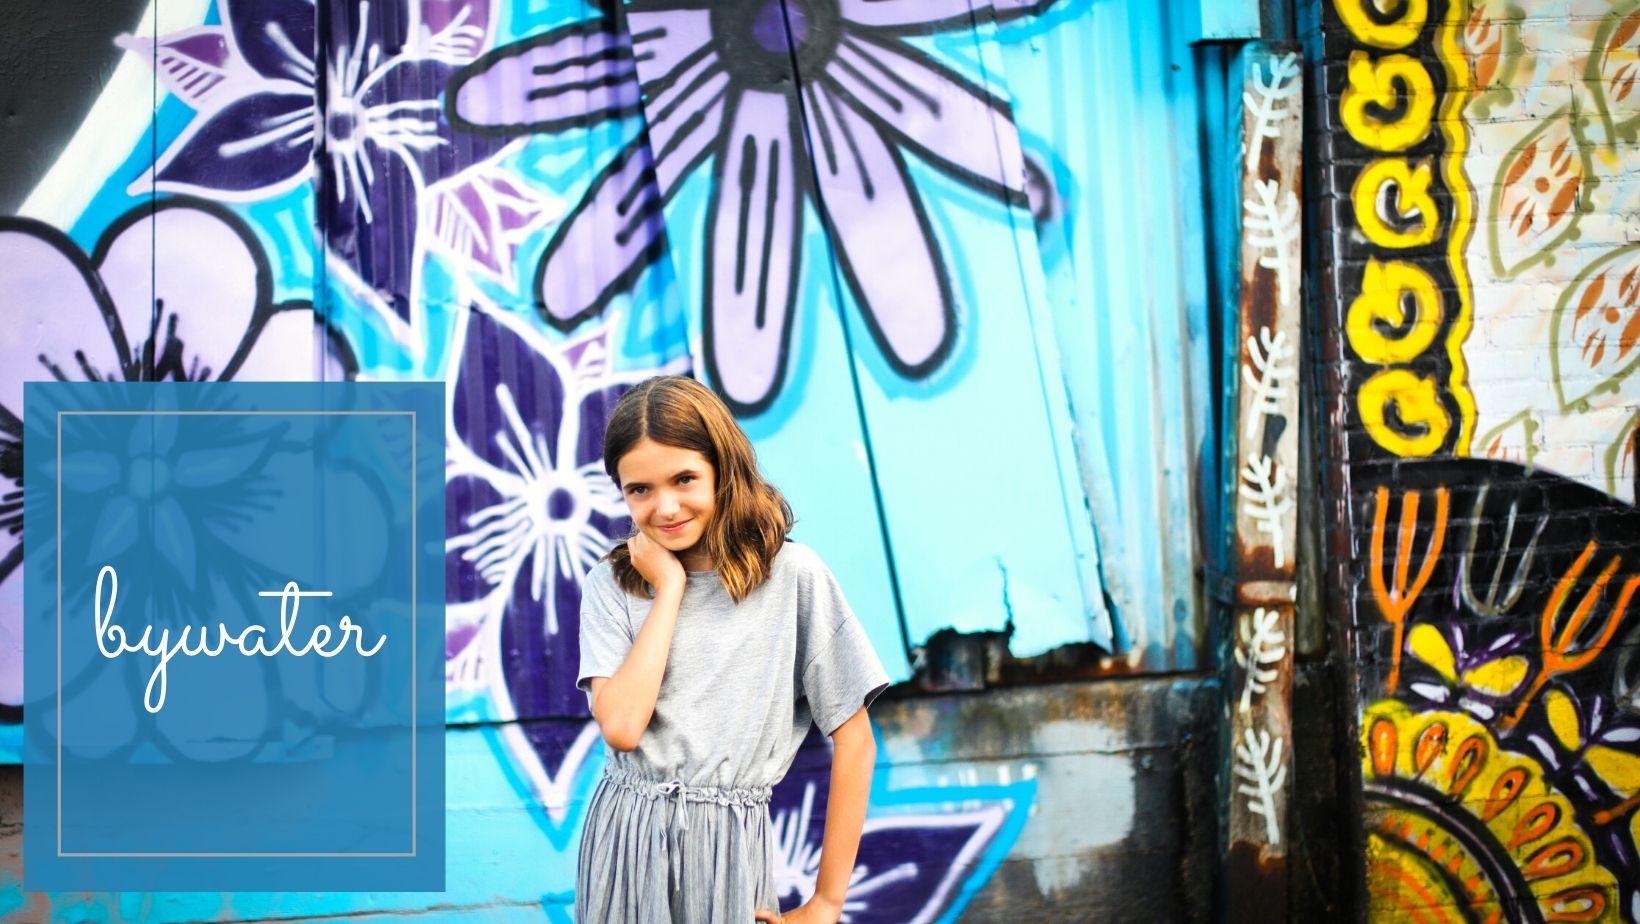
[[1108, 94], [919, 301]]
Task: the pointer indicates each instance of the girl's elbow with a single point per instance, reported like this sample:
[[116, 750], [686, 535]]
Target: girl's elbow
[[855, 740], [620, 737], [618, 733]]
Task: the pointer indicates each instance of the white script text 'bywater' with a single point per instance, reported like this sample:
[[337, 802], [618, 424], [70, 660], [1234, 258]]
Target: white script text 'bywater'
[[113, 641]]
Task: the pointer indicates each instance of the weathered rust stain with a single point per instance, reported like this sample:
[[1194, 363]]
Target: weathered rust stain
[[1115, 702], [954, 662], [1260, 893], [1261, 442]]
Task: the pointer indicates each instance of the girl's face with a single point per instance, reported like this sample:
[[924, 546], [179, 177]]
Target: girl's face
[[670, 493]]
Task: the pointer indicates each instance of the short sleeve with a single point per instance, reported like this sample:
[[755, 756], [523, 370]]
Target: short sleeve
[[841, 672], [606, 627]]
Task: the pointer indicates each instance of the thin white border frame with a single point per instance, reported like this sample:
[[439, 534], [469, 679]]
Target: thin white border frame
[[415, 717]]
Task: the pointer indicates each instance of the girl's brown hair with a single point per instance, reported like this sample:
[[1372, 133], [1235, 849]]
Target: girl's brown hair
[[751, 518]]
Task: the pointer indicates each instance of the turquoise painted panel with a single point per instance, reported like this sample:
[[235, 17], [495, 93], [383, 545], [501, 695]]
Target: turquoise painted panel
[[1105, 96], [978, 469], [1220, 20], [896, 172]]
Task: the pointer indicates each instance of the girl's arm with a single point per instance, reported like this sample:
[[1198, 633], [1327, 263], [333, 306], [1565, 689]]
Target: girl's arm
[[624, 703], [854, 754]]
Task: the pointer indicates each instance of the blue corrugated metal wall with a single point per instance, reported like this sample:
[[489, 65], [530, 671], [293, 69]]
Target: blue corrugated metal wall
[[1021, 450]]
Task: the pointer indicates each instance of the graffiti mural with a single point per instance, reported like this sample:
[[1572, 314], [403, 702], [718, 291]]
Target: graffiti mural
[[1501, 769], [1556, 182], [529, 510], [832, 211], [954, 841], [131, 311], [1481, 307], [741, 85], [254, 83], [1531, 269], [773, 172], [1401, 272]]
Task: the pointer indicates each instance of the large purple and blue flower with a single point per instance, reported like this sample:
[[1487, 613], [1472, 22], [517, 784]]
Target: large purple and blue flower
[[792, 100], [528, 511], [379, 133], [175, 291]]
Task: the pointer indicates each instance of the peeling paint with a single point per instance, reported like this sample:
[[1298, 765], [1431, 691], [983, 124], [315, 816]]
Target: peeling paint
[[1107, 780]]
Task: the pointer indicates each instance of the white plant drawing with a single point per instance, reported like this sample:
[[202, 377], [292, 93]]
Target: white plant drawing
[[1259, 766], [1266, 103], [1264, 486], [1273, 228], [1268, 373], [1259, 651]]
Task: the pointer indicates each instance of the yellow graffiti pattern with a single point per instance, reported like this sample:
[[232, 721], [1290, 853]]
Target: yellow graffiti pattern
[[1379, 326], [1417, 404], [1372, 27], [1389, 105], [1396, 86]]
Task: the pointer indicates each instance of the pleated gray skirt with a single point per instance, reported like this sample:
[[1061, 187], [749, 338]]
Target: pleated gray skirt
[[661, 852]]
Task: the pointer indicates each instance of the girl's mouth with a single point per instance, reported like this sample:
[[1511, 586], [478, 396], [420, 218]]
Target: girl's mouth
[[676, 528]]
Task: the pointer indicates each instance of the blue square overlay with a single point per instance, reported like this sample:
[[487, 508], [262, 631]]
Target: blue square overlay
[[233, 636]]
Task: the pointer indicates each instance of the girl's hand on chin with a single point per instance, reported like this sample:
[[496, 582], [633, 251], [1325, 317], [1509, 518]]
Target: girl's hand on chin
[[656, 562]]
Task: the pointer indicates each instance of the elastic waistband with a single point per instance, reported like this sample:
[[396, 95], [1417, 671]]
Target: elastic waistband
[[676, 789]]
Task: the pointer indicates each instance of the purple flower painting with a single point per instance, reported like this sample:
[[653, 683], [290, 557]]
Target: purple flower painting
[[379, 130], [528, 511], [792, 100], [198, 307]]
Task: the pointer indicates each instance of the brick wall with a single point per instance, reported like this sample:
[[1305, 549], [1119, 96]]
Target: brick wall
[[1478, 330]]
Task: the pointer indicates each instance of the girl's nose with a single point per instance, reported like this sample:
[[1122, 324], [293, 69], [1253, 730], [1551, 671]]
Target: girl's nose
[[666, 505]]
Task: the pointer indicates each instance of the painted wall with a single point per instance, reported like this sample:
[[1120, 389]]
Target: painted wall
[[1480, 335], [943, 257]]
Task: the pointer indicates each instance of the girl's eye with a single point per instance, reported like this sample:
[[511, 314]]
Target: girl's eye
[[685, 479], [635, 489]]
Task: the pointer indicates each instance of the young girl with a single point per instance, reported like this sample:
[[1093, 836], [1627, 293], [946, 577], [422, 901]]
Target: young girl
[[709, 642]]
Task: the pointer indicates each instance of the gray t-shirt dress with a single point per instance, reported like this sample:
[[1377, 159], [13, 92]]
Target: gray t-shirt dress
[[678, 829]]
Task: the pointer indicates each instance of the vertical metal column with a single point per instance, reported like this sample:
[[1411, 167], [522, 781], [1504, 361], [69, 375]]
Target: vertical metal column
[[1261, 446]]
